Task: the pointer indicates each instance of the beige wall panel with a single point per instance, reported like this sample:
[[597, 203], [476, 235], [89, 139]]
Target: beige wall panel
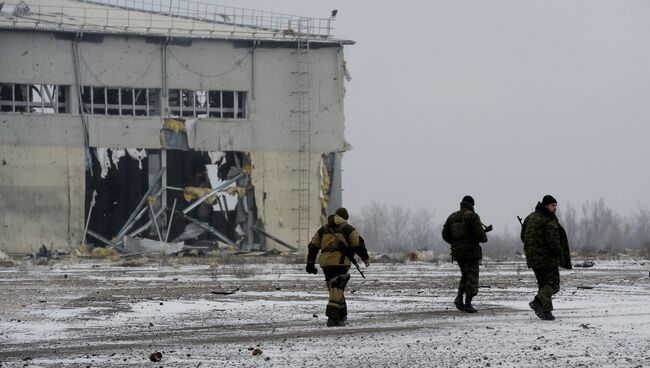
[[41, 197], [34, 57], [274, 174], [209, 65]]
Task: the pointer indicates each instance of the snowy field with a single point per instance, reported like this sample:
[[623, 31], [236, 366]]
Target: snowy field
[[98, 314]]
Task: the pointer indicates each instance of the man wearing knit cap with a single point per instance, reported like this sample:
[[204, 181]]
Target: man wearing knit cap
[[547, 247], [337, 241], [464, 231]]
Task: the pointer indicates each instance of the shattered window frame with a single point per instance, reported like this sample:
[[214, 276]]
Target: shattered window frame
[[34, 98], [120, 101], [213, 103]]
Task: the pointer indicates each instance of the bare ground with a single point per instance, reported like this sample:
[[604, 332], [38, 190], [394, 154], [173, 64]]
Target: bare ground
[[99, 314]]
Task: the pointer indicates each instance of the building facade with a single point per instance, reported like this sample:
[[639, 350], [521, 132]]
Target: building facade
[[101, 103]]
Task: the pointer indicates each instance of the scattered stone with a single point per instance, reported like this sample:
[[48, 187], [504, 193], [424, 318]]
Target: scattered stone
[[257, 351], [155, 356]]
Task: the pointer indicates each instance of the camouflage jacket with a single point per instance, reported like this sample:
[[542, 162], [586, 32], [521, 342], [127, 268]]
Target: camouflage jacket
[[330, 238], [464, 231], [545, 240]]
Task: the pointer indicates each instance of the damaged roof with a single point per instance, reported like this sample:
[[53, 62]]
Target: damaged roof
[[177, 19]]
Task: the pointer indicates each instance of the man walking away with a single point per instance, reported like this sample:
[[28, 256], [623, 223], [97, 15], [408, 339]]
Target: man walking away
[[337, 241], [546, 247], [464, 231]]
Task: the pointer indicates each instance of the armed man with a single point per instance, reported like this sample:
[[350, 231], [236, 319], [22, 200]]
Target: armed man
[[464, 231], [338, 242], [546, 247]]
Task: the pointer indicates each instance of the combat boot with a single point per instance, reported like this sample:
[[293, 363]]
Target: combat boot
[[468, 307], [548, 316], [536, 305], [458, 302], [334, 322]]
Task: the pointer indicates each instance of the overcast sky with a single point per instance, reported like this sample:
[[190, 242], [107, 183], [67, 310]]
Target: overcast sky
[[503, 100]]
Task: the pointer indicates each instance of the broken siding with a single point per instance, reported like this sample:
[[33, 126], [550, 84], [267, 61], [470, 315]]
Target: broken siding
[[41, 197]]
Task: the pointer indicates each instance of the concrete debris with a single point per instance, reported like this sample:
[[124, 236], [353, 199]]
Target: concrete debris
[[156, 356], [44, 253], [225, 292], [137, 245]]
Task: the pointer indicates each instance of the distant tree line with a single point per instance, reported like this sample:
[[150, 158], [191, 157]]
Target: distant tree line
[[592, 228]]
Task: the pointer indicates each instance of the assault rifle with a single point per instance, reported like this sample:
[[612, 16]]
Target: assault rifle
[[520, 222], [349, 253]]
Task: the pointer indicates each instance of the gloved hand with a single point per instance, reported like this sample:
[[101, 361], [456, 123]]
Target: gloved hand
[[311, 268], [488, 228]]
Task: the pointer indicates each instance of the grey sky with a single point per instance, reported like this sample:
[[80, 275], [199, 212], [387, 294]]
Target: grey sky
[[504, 100]]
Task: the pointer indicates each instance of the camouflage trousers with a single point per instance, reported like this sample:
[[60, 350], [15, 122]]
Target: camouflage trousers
[[337, 278], [469, 276], [548, 284]]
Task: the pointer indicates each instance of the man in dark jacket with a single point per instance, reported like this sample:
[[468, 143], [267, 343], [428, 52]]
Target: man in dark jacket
[[464, 231], [337, 241], [546, 247]]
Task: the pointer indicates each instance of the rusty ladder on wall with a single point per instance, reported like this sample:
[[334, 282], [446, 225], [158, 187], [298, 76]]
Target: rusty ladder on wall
[[303, 117]]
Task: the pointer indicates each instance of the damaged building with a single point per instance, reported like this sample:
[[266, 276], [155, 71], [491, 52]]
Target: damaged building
[[177, 122]]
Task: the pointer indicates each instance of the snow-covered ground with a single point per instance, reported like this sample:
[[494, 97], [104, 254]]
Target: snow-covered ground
[[101, 315]]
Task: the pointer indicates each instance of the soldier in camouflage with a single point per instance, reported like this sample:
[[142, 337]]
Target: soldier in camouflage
[[334, 240], [464, 231], [546, 247]]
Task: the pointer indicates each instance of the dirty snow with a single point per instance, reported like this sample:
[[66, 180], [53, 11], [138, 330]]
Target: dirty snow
[[101, 315]]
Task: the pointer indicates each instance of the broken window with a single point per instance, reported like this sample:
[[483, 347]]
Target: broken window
[[214, 104], [34, 98], [120, 101]]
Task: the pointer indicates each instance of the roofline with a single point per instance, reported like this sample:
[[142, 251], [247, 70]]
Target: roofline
[[330, 42]]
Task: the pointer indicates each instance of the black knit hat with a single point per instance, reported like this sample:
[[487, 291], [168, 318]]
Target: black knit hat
[[342, 212], [548, 199], [468, 199]]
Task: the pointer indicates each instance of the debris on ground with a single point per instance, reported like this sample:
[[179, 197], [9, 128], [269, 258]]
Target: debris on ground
[[585, 264], [155, 356], [257, 351], [225, 292]]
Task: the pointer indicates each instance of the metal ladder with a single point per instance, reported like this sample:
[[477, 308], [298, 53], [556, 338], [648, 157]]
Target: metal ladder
[[303, 118]]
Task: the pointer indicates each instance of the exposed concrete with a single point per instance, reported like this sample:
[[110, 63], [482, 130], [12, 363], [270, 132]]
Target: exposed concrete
[[41, 197]]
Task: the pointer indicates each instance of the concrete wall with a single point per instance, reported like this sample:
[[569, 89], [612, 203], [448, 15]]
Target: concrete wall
[[268, 74], [41, 197], [42, 173], [274, 173]]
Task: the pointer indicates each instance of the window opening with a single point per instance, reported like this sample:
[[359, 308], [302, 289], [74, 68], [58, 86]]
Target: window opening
[[33, 98]]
